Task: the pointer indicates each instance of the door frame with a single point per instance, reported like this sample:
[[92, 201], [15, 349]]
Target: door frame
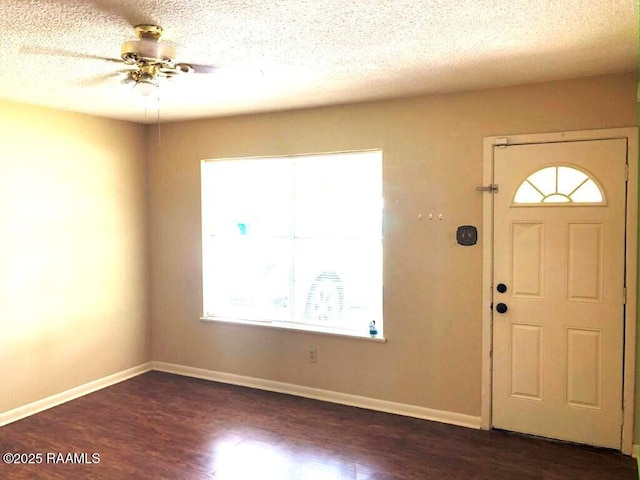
[[631, 264]]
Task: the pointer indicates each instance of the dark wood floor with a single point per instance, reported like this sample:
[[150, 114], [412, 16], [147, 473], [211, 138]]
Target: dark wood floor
[[161, 426]]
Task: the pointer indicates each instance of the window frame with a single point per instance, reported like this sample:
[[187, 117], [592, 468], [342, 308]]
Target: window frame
[[298, 324]]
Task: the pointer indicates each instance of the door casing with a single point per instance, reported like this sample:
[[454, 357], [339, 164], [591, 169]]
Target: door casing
[[631, 264]]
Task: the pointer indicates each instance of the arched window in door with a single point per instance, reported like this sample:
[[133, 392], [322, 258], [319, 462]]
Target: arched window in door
[[559, 185]]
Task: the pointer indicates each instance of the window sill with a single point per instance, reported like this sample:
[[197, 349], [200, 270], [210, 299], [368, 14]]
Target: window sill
[[307, 329]]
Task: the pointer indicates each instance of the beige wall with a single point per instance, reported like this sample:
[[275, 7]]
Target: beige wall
[[432, 163], [73, 251]]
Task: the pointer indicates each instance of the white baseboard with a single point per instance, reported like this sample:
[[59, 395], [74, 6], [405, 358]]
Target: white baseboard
[[324, 395], [76, 392]]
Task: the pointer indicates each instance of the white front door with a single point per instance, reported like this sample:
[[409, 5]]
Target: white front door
[[558, 289]]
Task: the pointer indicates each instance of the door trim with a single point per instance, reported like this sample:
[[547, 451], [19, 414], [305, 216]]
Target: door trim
[[631, 264]]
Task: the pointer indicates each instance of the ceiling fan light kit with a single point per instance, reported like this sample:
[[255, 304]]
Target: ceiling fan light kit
[[145, 85]]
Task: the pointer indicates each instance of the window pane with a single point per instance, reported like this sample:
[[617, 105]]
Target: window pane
[[250, 278], [544, 180], [569, 179], [527, 194], [249, 197], [337, 198], [556, 198], [338, 283], [587, 193]]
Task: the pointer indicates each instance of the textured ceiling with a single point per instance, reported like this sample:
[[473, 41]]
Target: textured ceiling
[[283, 54]]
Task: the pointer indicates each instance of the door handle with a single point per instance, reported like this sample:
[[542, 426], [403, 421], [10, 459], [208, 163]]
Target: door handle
[[502, 307]]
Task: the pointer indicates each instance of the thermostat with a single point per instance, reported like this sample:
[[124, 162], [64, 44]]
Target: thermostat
[[467, 235]]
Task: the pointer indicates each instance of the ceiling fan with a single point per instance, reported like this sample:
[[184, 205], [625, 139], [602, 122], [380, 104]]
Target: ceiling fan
[[147, 60], [152, 59]]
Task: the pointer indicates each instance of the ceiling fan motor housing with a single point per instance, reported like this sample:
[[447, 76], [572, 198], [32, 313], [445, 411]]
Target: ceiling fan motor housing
[[147, 51], [152, 58]]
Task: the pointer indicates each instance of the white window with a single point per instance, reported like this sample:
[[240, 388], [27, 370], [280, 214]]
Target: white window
[[295, 241], [556, 185]]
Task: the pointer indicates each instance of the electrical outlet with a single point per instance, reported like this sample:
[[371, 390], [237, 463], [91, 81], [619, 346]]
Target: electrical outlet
[[313, 355]]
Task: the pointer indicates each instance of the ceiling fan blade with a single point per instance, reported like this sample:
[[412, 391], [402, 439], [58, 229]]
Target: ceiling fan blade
[[204, 68], [96, 80], [197, 68], [35, 50], [124, 10], [103, 77]]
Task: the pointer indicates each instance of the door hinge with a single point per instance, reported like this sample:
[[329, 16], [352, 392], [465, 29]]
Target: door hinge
[[492, 188], [626, 171]]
